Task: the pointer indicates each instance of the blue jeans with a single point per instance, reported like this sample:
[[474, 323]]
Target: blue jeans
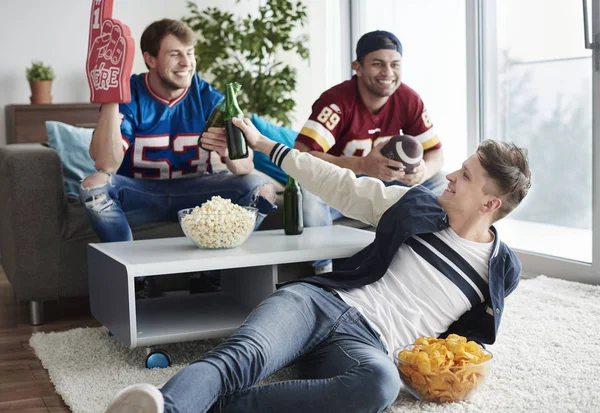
[[125, 202], [343, 365], [318, 214]]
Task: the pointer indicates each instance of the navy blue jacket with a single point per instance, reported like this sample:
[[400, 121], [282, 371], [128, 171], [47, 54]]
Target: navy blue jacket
[[418, 212]]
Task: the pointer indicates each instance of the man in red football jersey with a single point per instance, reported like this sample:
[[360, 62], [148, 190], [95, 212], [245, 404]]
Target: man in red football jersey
[[351, 122]]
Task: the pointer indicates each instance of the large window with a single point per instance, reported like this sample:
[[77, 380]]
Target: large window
[[537, 92], [513, 70]]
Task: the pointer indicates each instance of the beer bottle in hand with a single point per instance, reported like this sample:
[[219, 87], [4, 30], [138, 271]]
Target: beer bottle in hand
[[214, 121], [236, 142], [293, 224]]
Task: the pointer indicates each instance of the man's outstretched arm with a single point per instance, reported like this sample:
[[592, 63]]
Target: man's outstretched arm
[[354, 163], [365, 199], [374, 164]]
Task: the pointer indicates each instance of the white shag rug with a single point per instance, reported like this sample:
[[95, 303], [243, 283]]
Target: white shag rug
[[547, 358]]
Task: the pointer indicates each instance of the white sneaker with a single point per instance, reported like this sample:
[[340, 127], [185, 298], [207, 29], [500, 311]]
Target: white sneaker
[[137, 398], [324, 269]]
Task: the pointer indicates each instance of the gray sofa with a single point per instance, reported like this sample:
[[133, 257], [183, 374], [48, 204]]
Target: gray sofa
[[44, 234]]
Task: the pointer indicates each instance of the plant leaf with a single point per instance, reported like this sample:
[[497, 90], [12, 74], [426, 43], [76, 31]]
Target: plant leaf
[[244, 49]]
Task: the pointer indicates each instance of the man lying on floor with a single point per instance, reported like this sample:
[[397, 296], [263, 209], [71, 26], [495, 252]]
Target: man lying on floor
[[436, 267]]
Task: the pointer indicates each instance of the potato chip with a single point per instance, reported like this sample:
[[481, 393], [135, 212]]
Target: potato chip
[[443, 370]]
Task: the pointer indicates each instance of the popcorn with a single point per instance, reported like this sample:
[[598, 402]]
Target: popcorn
[[218, 223]]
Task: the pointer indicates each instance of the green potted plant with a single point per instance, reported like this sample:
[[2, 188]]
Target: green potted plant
[[247, 50], [40, 77]]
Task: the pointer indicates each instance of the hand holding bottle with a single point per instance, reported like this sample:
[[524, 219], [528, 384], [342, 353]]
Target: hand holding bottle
[[215, 139], [214, 121], [254, 138]]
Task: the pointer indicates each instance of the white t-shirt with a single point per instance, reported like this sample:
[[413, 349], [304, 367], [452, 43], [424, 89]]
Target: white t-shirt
[[426, 288]]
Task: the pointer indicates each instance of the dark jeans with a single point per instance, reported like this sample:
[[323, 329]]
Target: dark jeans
[[343, 364]]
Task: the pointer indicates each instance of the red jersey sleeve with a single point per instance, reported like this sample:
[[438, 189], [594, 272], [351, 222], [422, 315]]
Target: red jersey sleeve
[[323, 127], [420, 126]]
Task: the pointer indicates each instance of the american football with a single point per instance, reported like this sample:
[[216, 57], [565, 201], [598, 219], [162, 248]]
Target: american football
[[405, 149]]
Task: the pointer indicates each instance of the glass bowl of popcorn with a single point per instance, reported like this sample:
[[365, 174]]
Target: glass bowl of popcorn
[[443, 370], [218, 223]]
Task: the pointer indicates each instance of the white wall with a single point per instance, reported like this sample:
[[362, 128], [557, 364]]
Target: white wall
[[56, 32], [324, 67]]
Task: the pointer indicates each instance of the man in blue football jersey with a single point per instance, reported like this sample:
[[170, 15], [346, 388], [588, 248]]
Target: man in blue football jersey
[[146, 151]]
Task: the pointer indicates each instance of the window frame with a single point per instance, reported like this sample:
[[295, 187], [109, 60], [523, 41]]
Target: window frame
[[479, 14]]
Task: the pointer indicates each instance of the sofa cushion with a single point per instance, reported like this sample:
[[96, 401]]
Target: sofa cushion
[[279, 134], [72, 144]]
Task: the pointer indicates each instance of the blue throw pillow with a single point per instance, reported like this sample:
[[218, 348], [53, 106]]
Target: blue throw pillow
[[72, 144], [279, 134]]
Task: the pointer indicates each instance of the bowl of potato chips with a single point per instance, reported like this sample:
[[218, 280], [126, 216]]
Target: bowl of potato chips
[[443, 370]]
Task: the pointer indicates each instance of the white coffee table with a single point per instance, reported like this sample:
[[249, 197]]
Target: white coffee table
[[249, 274]]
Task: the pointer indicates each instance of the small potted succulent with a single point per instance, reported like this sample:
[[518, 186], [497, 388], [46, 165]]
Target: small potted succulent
[[40, 79]]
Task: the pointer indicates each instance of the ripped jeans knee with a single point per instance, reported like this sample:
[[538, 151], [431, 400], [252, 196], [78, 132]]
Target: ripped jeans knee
[[267, 191], [97, 193], [95, 180], [93, 192]]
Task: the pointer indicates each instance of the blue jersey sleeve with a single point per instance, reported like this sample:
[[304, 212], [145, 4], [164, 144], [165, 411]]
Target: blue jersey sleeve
[[129, 120], [128, 123]]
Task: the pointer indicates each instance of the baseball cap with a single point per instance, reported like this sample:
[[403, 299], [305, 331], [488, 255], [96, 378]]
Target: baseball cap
[[373, 41]]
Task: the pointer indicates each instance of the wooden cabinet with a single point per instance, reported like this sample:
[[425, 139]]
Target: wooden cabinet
[[26, 123]]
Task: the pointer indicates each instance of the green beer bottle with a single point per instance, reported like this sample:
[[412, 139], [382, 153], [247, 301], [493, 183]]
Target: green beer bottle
[[293, 224], [236, 142], [215, 120]]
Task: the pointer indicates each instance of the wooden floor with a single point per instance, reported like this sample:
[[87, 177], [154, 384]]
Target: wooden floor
[[24, 384]]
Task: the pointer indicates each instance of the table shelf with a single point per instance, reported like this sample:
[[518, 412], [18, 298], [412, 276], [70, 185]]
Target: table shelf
[[189, 317]]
